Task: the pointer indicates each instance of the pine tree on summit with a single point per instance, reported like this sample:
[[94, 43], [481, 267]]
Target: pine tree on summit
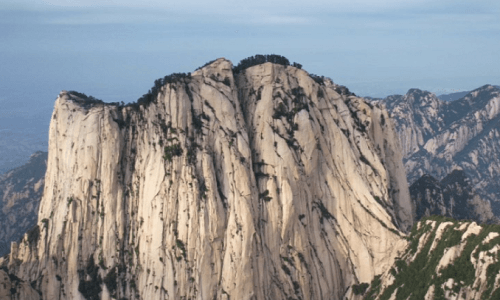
[[261, 59]]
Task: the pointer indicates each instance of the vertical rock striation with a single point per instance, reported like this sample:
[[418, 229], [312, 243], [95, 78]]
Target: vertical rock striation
[[265, 183]]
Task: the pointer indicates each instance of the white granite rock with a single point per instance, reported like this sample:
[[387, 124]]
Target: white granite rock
[[259, 185]]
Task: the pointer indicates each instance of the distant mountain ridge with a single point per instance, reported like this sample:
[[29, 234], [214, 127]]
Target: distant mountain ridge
[[20, 193], [438, 137], [453, 96]]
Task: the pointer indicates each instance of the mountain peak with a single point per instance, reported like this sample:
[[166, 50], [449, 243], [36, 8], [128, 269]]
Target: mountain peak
[[219, 63], [421, 95], [214, 183]]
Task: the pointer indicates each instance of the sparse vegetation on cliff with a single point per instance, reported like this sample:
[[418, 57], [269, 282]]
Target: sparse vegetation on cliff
[[261, 59], [422, 267]]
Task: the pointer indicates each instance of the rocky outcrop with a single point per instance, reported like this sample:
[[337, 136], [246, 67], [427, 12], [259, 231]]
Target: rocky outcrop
[[13, 288], [438, 137], [265, 183], [445, 259], [418, 116], [451, 197], [20, 193]]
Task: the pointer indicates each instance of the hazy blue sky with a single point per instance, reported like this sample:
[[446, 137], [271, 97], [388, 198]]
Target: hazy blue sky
[[114, 50]]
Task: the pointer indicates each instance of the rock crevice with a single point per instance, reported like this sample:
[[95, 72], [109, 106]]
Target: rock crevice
[[262, 184]]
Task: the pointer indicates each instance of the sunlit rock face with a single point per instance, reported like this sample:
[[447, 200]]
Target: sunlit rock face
[[438, 137], [264, 183]]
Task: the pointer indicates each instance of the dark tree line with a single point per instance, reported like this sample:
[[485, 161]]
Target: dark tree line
[[319, 79], [144, 100], [151, 95], [206, 64], [88, 99], [342, 90], [261, 59]]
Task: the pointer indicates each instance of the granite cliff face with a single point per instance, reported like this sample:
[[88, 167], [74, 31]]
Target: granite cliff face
[[438, 137], [20, 193], [265, 183]]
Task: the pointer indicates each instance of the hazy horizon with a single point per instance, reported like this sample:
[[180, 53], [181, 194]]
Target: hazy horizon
[[115, 50]]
